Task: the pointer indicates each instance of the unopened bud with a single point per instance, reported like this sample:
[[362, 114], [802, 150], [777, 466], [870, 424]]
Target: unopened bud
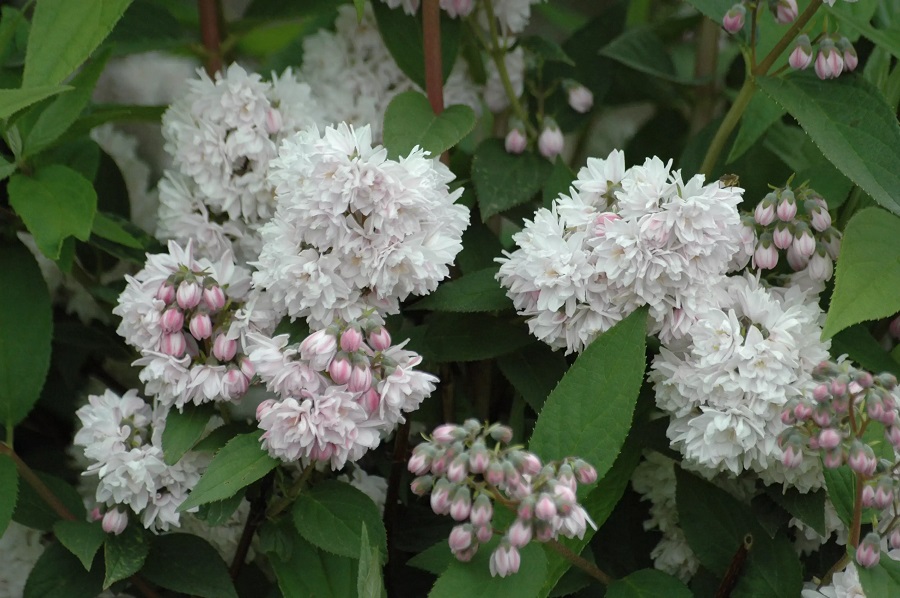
[[274, 122], [172, 319], [734, 18], [764, 214], [461, 504], [545, 508], [351, 340], [224, 348], [829, 62], [515, 142], [214, 297], [460, 538], [519, 533], [861, 458], [340, 369], [173, 344], [782, 237], [166, 293], [482, 510], [422, 485], [494, 473], [802, 54], [550, 141], [201, 326], [360, 379], [848, 53], [188, 294], [580, 98], [234, 384], [868, 553], [786, 11], [115, 522]]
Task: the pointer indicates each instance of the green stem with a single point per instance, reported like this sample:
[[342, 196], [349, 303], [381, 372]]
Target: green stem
[[580, 562], [732, 117], [292, 493], [763, 67], [35, 482]]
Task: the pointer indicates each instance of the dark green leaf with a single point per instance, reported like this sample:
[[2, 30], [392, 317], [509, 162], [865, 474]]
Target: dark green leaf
[[462, 337], [534, 372], [888, 40], [25, 321], [862, 348], [546, 50], [220, 511], [331, 514], [313, 572], [220, 437], [368, 577], [13, 100], [714, 9], [6, 168], [808, 508], [503, 180], [863, 143], [9, 482], [63, 35], [125, 553], [868, 271], [238, 464], [435, 559], [772, 569], [55, 203], [111, 230], [841, 486], [183, 430], [58, 574], [882, 580], [648, 583], [478, 291], [147, 26], [33, 511], [11, 19], [642, 49], [277, 538], [409, 121], [558, 182], [81, 538], [480, 247], [761, 113], [474, 578], [188, 564]]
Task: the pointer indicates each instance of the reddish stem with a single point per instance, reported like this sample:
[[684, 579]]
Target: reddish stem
[[431, 36], [210, 34]]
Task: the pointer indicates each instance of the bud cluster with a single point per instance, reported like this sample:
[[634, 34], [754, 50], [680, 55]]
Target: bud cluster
[[550, 141], [784, 11], [798, 223], [468, 468], [835, 55]]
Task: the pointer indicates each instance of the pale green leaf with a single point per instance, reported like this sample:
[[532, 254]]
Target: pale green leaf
[[409, 121], [107, 228], [13, 100], [761, 113], [841, 486], [309, 571], [368, 577], [882, 580]]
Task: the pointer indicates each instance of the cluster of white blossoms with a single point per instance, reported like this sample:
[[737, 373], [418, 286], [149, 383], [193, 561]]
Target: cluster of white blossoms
[[621, 239], [726, 383], [122, 439], [340, 391], [355, 230], [221, 135], [187, 316], [511, 15]]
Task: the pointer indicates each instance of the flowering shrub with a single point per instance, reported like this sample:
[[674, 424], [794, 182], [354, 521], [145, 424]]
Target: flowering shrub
[[449, 298]]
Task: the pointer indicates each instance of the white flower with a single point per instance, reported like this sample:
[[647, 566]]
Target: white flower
[[513, 15], [373, 486]]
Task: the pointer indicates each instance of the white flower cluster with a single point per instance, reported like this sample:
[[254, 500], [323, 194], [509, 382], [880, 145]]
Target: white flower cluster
[[341, 390], [512, 15], [354, 229], [726, 383], [122, 438], [621, 239], [187, 316], [221, 136]]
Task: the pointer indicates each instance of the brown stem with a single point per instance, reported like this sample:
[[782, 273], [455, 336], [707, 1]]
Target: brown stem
[[254, 519], [705, 68], [210, 34], [580, 562], [431, 36], [401, 448], [799, 23], [40, 487]]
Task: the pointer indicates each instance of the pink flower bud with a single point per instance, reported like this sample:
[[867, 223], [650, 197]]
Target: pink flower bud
[[820, 267], [379, 339], [764, 214], [806, 244], [458, 469], [519, 533], [550, 141], [201, 326], [166, 293], [822, 417], [848, 52], [446, 433], [479, 460], [801, 56], [795, 259], [501, 433], [580, 98], [351, 339], [214, 297], [862, 459], [247, 368], [370, 400], [868, 495], [461, 504], [787, 207], [482, 510], [530, 463], [318, 343], [224, 348], [188, 295], [340, 369], [833, 458], [440, 497], [829, 63], [892, 433], [820, 219], [419, 463], [360, 379], [734, 18], [585, 473], [526, 508], [95, 514], [839, 386], [787, 417], [264, 408], [765, 257], [545, 508], [234, 384], [782, 237], [868, 553], [601, 221], [484, 533], [786, 11], [895, 538], [172, 320], [802, 411], [792, 457], [422, 485], [494, 474], [884, 493], [821, 393], [515, 141], [274, 122], [829, 438], [115, 522], [173, 344], [505, 560], [460, 538]]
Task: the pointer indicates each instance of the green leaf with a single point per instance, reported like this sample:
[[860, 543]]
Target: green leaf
[[55, 203], [360, 6], [808, 508], [125, 553], [841, 486], [480, 247], [188, 564], [882, 580], [183, 430], [81, 538], [331, 514], [862, 348], [220, 511], [238, 464], [648, 583], [461, 337], [55, 119], [474, 578], [714, 9], [63, 35], [862, 142], [313, 572], [32, 511], [109, 229], [434, 559], [772, 569], [643, 50], [26, 320], [368, 577], [478, 291], [9, 482], [6, 168], [13, 100], [503, 180], [409, 121], [58, 574], [534, 371], [597, 393], [546, 50], [761, 113], [887, 40], [868, 271], [147, 26], [558, 182]]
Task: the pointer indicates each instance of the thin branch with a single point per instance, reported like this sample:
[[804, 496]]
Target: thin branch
[[580, 562], [707, 57], [434, 71], [210, 34], [35, 482]]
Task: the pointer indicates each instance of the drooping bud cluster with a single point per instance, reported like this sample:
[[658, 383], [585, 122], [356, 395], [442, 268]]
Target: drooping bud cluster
[[798, 223], [835, 55], [469, 469], [341, 390]]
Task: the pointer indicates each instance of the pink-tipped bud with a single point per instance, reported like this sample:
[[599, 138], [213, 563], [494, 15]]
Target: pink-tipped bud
[[545, 508], [892, 433], [494, 474], [351, 340], [868, 553], [458, 470], [460, 538], [787, 417], [214, 298], [419, 464], [370, 400], [201, 326], [795, 259], [447, 433], [319, 342], [484, 533], [247, 368], [501, 433], [895, 538], [833, 458], [461, 504], [274, 121], [380, 339], [829, 62], [440, 497], [848, 53], [115, 522], [787, 207], [786, 11], [766, 256], [792, 457], [550, 141], [861, 458], [821, 393], [884, 493], [585, 473], [340, 369], [868, 496], [526, 508], [224, 348], [580, 98], [515, 142], [234, 384], [822, 417], [505, 560], [839, 386], [166, 293], [782, 237], [479, 460], [820, 266], [802, 54], [764, 214], [422, 485], [806, 244], [519, 533], [360, 379], [172, 320], [482, 511], [188, 294], [530, 463], [173, 344], [802, 411], [95, 514], [820, 219], [264, 408], [829, 438], [734, 18]]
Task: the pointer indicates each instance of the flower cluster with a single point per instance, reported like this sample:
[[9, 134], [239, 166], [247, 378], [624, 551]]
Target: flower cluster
[[512, 15], [354, 229], [784, 11], [799, 224], [122, 439], [469, 468], [221, 135], [340, 390], [186, 317], [835, 55], [621, 239]]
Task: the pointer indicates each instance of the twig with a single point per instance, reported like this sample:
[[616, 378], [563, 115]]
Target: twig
[[431, 36], [580, 562], [707, 55], [210, 34]]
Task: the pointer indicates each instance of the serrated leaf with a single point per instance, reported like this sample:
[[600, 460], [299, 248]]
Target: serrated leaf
[[58, 574], [368, 577], [238, 464], [276, 538], [862, 142], [183, 430], [558, 182], [109, 229], [503, 180], [546, 50], [55, 203], [761, 113], [330, 516], [434, 559], [63, 35], [188, 564], [772, 569], [9, 482], [808, 508], [461, 337], [409, 121], [220, 511], [81, 538], [125, 554], [6, 168], [26, 320], [534, 371], [868, 271], [881, 580], [474, 578], [841, 486], [648, 583], [313, 572], [32, 511], [643, 50], [887, 40], [13, 100], [862, 348], [475, 292]]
